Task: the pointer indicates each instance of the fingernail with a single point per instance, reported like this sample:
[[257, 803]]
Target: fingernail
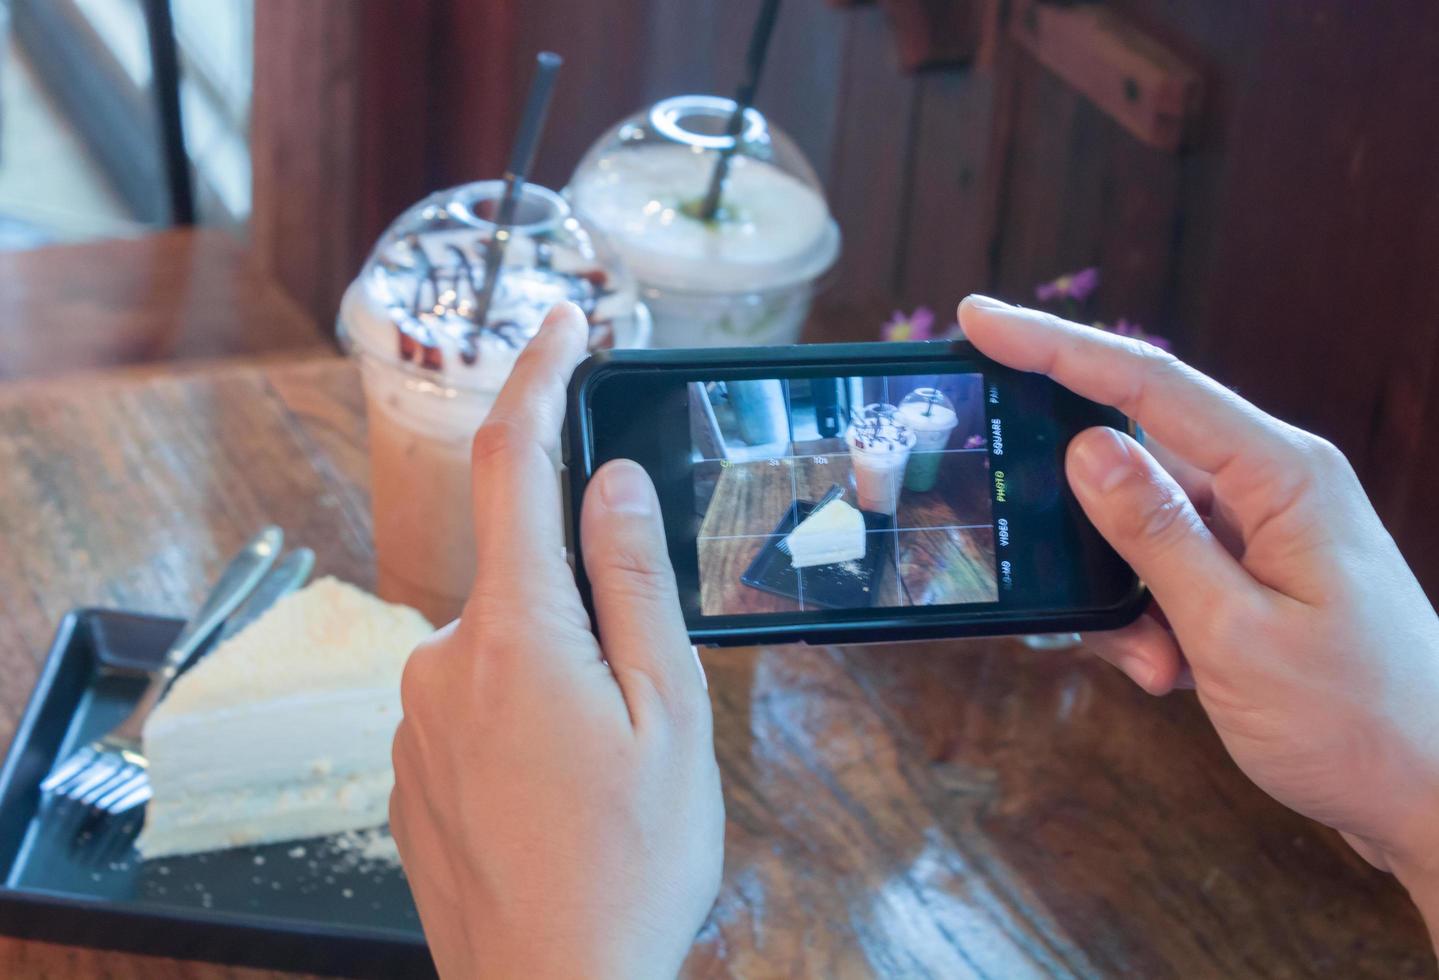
[[626, 489], [560, 312], [987, 302], [699, 666], [1100, 459]]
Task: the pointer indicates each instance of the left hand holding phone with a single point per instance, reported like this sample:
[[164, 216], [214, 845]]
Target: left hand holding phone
[[557, 802]]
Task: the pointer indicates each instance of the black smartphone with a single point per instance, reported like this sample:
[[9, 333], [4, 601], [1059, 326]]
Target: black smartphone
[[849, 493]]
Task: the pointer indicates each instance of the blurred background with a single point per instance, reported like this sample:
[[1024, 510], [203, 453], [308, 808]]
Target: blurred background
[[1254, 180]]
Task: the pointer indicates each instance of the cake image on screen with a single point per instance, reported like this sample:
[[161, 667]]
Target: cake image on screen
[[834, 533], [283, 731], [913, 524]]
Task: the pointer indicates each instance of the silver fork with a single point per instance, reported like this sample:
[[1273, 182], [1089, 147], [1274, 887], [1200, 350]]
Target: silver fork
[[288, 574], [109, 773], [832, 494]]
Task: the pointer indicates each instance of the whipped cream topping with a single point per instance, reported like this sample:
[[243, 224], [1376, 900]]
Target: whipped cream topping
[[416, 302]]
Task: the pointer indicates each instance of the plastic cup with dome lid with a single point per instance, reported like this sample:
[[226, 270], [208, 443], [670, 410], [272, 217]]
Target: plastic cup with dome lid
[[747, 274], [450, 295], [931, 416]]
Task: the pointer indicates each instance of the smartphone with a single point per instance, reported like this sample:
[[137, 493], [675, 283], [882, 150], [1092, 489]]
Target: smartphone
[[852, 493]]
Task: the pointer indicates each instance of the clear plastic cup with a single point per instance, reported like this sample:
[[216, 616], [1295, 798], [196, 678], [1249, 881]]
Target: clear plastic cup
[[930, 414], [431, 371], [745, 277], [879, 450]]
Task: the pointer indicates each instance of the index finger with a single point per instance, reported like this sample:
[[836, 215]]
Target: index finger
[[519, 536], [1197, 418]]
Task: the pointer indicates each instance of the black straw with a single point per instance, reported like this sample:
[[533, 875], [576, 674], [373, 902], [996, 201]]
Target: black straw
[[522, 155], [744, 98]]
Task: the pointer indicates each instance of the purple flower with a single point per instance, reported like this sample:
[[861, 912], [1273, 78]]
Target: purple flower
[[917, 326], [974, 442], [1125, 328], [1074, 286]]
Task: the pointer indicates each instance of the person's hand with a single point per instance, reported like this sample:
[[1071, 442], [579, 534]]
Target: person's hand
[[557, 802], [1284, 601]]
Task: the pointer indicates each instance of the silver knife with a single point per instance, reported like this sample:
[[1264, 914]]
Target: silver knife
[[289, 574]]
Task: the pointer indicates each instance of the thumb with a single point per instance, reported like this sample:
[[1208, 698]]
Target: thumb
[[1148, 519], [642, 629]]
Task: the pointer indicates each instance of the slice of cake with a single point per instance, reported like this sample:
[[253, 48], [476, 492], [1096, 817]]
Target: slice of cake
[[834, 533], [284, 730]]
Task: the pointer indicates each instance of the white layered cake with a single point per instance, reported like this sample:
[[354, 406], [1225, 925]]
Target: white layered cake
[[283, 731], [834, 533]]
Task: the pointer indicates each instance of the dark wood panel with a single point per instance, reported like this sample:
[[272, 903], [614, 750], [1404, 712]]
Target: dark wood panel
[[1121, 69], [1080, 191], [1310, 214], [798, 91], [339, 131], [602, 80], [475, 84], [484, 55], [869, 189], [946, 249]]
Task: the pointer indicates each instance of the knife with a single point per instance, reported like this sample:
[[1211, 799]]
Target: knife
[[289, 573]]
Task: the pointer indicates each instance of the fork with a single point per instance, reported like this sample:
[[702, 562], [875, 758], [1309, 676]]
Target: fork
[[832, 494], [109, 773]]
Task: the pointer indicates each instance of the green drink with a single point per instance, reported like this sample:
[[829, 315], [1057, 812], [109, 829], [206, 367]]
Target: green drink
[[932, 418]]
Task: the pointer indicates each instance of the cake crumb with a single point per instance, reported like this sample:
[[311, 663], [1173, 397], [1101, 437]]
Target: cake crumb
[[297, 852], [259, 859], [361, 850]]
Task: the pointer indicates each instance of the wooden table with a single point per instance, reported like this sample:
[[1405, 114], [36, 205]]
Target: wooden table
[[948, 810], [179, 295]]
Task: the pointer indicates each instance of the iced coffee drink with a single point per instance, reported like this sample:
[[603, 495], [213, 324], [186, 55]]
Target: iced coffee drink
[[431, 371], [931, 416], [745, 275], [879, 449]]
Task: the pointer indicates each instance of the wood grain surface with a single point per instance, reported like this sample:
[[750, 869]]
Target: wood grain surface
[[170, 296], [968, 809]]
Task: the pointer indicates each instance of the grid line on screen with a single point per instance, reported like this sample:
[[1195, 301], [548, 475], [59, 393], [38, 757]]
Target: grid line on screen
[[793, 483], [838, 452], [897, 530], [894, 543]]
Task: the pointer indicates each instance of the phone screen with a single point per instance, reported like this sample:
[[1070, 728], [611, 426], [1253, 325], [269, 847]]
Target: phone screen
[[901, 464], [904, 498]]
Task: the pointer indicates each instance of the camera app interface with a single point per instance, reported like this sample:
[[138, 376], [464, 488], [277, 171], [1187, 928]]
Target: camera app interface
[[842, 493]]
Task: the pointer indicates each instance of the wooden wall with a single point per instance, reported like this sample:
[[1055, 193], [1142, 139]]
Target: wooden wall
[[1289, 247]]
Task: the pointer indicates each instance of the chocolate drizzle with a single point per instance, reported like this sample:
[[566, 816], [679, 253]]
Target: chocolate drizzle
[[448, 290], [877, 428]]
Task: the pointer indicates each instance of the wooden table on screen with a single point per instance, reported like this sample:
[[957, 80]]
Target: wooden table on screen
[[945, 809], [940, 550]]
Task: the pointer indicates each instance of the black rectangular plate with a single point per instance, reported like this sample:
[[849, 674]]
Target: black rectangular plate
[[314, 906], [825, 586]]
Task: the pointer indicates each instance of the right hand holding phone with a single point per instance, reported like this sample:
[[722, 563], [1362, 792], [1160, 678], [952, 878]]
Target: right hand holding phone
[[1282, 599]]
